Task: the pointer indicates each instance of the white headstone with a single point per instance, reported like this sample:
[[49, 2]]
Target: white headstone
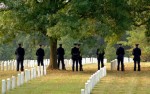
[[8, 84], [41, 70], [22, 78], [86, 88], [32, 73], [82, 91], [3, 86], [38, 70], [19, 80], [44, 70], [13, 82], [26, 75]]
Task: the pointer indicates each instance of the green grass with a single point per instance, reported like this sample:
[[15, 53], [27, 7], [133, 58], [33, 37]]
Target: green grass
[[5, 75], [128, 82], [68, 82], [57, 82]]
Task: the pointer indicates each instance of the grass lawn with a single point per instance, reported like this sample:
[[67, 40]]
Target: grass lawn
[[5, 75], [57, 82], [68, 82], [128, 82]]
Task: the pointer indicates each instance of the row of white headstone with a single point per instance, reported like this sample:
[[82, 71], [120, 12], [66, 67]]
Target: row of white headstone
[[93, 80], [23, 77], [11, 64]]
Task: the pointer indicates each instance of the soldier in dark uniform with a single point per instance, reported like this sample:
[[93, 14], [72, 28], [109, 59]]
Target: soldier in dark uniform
[[120, 57], [137, 53], [100, 57], [20, 52], [80, 58], [75, 55], [40, 56], [60, 56]]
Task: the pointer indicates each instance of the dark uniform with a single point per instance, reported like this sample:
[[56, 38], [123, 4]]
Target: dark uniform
[[40, 56], [60, 56], [120, 57], [80, 58], [75, 55], [100, 58], [20, 57], [137, 53]]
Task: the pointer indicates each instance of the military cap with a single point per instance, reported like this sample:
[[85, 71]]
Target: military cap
[[79, 44], [75, 43], [136, 44]]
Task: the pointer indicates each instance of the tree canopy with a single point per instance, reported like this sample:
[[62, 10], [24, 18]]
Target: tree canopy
[[78, 19]]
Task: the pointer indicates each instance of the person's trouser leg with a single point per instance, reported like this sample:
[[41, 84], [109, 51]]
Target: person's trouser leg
[[134, 65], [73, 62], [76, 65], [38, 61], [81, 68], [139, 66], [80, 64], [22, 67], [58, 63], [18, 65], [98, 64], [118, 66], [122, 65], [102, 62], [63, 64], [42, 64]]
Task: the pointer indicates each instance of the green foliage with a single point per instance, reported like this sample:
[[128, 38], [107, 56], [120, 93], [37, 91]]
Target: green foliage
[[137, 35]]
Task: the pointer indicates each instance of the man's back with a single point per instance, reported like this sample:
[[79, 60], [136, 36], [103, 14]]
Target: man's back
[[40, 52], [20, 52], [75, 52], [60, 51], [120, 51], [136, 52]]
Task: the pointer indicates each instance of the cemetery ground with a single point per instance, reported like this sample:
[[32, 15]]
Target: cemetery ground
[[68, 82]]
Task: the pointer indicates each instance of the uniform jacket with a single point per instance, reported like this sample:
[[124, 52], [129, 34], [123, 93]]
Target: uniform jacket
[[120, 52], [75, 53], [20, 53], [100, 55], [137, 53], [40, 53], [60, 53]]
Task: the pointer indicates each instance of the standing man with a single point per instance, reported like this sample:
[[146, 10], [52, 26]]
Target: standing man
[[40, 56], [75, 55], [80, 58], [100, 57], [60, 56], [120, 57], [137, 53], [20, 56]]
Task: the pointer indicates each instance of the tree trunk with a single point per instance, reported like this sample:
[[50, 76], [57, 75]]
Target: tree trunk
[[53, 54]]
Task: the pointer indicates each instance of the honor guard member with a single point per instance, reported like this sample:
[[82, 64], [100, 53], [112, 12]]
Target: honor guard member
[[100, 57], [120, 57], [75, 55], [40, 55], [60, 56], [80, 58], [137, 53], [20, 52]]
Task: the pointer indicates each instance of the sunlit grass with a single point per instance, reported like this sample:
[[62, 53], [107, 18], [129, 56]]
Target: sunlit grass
[[128, 82], [5, 75], [68, 82], [57, 82]]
